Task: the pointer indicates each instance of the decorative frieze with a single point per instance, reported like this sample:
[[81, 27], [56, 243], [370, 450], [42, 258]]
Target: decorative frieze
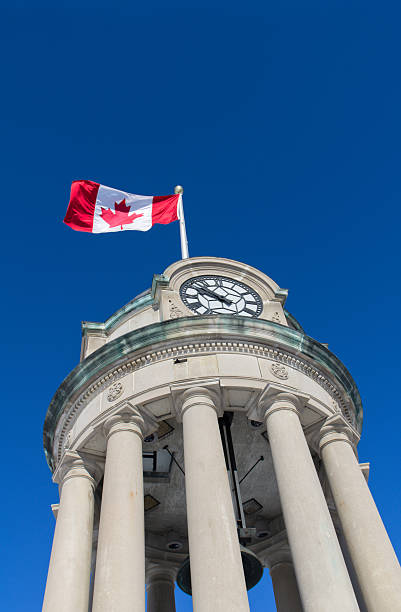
[[279, 370], [115, 391], [279, 357]]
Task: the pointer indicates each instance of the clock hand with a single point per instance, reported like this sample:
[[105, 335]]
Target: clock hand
[[211, 293]]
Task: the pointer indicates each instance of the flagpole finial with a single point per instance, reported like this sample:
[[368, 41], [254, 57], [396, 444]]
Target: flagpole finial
[[179, 189]]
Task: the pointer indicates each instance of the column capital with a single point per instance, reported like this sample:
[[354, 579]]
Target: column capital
[[278, 555], [275, 397], [160, 572], [77, 465], [206, 393], [129, 418], [337, 429]]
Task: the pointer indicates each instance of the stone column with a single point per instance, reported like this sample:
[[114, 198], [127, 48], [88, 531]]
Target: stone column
[[373, 557], [217, 576], [120, 564], [67, 587], [160, 588], [322, 576], [348, 563], [95, 537], [285, 586], [93, 567]]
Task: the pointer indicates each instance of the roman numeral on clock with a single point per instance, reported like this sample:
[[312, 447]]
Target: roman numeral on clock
[[247, 310]]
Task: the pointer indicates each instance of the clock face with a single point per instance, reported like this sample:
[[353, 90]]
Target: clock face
[[220, 295]]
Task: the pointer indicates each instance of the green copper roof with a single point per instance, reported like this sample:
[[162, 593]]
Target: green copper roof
[[215, 327]]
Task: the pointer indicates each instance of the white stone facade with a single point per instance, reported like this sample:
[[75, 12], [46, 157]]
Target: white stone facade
[[156, 374]]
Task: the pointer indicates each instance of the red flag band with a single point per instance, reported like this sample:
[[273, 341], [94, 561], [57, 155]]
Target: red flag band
[[96, 208]]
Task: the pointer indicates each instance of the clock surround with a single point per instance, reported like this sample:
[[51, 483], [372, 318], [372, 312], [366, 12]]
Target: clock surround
[[215, 294]]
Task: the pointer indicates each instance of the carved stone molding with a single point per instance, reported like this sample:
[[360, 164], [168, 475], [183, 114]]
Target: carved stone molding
[[277, 397], [175, 312], [200, 348], [207, 391], [160, 572], [336, 429], [74, 465], [279, 370], [114, 391], [278, 554], [128, 418]]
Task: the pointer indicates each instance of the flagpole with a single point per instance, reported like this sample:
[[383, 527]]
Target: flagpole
[[183, 232]]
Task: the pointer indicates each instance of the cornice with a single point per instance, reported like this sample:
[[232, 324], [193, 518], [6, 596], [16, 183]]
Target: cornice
[[190, 335], [292, 321]]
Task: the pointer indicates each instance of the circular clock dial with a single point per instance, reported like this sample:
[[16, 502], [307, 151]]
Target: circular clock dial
[[220, 295]]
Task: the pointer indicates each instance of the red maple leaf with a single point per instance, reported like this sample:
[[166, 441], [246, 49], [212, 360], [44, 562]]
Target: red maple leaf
[[120, 216]]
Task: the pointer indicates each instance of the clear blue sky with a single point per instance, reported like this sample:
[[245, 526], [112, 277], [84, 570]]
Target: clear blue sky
[[282, 121]]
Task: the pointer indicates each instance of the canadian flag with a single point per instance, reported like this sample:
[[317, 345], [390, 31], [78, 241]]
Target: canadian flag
[[96, 208]]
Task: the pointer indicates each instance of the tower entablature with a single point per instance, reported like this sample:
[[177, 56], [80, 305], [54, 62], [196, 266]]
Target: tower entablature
[[203, 317]]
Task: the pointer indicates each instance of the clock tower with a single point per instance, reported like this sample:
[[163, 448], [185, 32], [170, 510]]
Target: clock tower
[[202, 438]]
